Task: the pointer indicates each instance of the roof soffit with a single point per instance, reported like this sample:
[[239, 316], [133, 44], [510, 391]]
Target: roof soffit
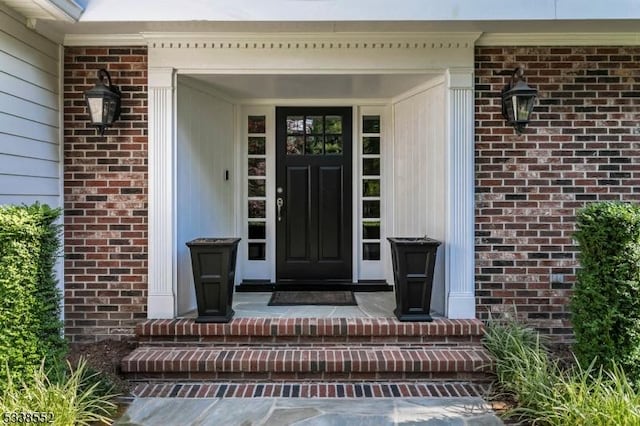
[[48, 10]]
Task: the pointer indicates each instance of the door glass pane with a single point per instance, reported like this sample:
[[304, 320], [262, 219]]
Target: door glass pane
[[257, 124], [370, 124], [370, 188], [257, 187], [257, 209], [295, 145], [295, 124], [333, 145], [371, 251], [371, 209], [371, 230], [333, 124], [257, 251], [314, 125], [371, 145], [370, 166], [257, 167], [313, 145], [257, 145], [257, 230]]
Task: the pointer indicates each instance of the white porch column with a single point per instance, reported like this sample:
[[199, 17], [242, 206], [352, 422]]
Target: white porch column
[[460, 199], [162, 236]]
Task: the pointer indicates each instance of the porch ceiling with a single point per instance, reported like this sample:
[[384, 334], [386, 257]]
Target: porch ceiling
[[314, 86]]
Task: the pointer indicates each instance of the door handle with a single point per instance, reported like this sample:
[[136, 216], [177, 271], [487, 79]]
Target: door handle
[[279, 204]]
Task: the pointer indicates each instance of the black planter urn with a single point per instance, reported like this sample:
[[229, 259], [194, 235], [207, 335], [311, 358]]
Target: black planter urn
[[413, 262], [213, 261]]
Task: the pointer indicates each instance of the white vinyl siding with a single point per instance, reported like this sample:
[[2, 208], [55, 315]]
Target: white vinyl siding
[[29, 115]]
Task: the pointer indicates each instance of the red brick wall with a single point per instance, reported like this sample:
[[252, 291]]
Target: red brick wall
[[583, 146], [105, 198]]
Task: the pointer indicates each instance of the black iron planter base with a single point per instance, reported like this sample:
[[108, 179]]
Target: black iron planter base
[[411, 317], [216, 318]]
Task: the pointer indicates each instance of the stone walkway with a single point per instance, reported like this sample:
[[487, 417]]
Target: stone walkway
[[309, 412]]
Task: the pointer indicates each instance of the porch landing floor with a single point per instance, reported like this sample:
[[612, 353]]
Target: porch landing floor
[[255, 305]]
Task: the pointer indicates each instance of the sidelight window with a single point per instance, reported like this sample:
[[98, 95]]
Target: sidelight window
[[256, 187], [371, 216]]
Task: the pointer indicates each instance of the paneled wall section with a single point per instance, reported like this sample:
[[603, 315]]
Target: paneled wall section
[[205, 152], [419, 179]]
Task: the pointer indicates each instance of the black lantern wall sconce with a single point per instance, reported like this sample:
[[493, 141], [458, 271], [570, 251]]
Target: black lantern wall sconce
[[103, 102], [517, 101]]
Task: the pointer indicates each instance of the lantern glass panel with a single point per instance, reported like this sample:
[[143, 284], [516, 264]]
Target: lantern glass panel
[[109, 111], [525, 105], [95, 109]]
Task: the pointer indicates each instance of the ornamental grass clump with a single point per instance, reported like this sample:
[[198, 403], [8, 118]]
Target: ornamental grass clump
[[589, 396], [72, 397], [546, 394], [522, 363]]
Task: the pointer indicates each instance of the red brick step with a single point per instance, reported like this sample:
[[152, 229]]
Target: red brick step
[[310, 331], [304, 363]]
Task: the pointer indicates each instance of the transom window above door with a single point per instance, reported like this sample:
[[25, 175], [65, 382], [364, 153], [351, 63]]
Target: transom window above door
[[314, 135]]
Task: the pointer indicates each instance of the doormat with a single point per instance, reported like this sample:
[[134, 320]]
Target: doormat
[[331, 298]]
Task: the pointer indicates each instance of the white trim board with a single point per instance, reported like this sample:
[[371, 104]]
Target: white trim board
[[312, 40], [313, 102], [559, 39], [312, 53], [482, 39], [104, 40], [316, 41]]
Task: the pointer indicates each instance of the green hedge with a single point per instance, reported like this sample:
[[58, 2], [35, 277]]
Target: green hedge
[[29, 298], [606, 302]]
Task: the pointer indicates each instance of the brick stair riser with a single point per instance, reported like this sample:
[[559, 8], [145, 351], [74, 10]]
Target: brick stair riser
[[316, 341], [272, 377], [303, 359], [311, 328], [305, 364]]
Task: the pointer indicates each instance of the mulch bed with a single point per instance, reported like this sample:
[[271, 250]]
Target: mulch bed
[[104, 356]]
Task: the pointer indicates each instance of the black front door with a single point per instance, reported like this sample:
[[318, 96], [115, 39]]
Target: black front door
[[313, 194]]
